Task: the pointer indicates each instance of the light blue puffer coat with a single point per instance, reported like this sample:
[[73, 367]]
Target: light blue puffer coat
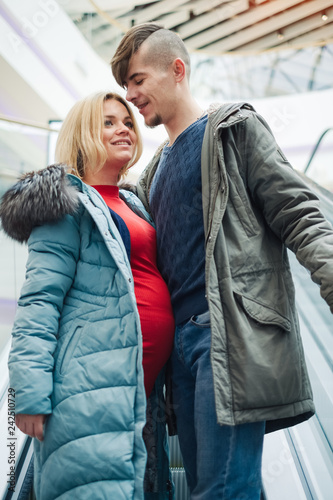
[[76, 346]]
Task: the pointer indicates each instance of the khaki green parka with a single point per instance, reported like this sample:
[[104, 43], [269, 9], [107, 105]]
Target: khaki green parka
[[255, 206]]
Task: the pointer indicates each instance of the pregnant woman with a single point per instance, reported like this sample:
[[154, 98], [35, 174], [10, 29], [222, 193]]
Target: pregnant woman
[[94, 325]]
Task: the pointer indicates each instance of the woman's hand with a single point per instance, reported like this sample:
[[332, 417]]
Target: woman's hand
[[31, 424]]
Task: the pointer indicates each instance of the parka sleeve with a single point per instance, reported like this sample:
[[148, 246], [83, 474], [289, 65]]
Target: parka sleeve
[[289, 206], [53, 254]]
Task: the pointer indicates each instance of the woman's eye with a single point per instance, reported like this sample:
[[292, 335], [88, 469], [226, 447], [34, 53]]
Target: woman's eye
[[129, 125], [107, 123]]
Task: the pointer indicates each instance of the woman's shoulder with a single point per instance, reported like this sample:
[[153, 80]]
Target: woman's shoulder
[[37, 198]]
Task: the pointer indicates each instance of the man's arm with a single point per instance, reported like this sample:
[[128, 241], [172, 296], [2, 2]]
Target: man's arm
[[289, 206]]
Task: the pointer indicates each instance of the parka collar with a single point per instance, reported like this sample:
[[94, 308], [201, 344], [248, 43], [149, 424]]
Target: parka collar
[[227, 114]]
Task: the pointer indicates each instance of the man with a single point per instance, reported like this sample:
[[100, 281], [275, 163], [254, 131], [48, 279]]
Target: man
[[226, 204]]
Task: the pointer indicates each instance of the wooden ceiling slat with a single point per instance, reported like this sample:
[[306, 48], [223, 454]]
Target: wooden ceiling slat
[[273, 24], [240, 22], [212, 17], [290, 32]]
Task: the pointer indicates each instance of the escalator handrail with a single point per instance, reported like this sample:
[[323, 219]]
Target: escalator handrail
[[316, 148]]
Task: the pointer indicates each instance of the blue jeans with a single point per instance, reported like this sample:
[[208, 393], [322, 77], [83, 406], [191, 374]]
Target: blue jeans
[[221, 462]]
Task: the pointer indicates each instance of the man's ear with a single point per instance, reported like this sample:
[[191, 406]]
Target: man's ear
[[179, 69]]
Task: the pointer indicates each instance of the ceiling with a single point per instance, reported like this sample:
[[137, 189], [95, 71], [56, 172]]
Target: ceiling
[[212, 27]]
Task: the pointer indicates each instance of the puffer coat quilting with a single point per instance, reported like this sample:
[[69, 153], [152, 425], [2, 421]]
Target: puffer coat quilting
[[77, 355]]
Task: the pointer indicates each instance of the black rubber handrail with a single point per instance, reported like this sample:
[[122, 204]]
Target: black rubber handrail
[[316, 148]]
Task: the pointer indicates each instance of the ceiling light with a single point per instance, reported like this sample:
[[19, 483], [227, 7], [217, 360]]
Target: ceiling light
[[324, 16]]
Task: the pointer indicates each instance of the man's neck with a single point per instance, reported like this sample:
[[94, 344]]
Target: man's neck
[[183, 118]]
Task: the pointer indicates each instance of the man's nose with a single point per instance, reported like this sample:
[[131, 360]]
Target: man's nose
[[130, 94]]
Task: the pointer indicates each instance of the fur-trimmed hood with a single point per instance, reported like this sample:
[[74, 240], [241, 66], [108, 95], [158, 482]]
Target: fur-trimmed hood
[[37, 198]]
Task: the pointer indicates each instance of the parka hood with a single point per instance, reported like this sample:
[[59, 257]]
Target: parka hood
[[37, 198], [228, 113]]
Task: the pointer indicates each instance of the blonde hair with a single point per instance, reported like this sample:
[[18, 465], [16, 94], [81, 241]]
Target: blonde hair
[[80, 144]]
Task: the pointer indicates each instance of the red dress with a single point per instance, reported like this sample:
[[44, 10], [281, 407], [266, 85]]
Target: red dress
[[151, 292]]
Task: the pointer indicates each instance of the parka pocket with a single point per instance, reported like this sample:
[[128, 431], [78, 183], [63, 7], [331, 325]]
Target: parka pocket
[[67, 350], [263, 314], [264, 356]]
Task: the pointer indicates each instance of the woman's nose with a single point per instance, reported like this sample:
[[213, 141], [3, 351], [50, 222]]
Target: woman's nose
[[122, 128]]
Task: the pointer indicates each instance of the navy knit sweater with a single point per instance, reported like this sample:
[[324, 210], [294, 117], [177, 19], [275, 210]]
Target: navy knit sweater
[[176, 205]]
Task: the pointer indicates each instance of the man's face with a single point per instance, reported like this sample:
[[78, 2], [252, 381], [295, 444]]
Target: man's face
[[150, 89]]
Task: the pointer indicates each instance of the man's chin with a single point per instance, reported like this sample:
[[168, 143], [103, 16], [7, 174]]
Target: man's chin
[[153, 122]]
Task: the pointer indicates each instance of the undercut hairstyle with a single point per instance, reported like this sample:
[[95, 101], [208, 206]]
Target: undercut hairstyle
[[80, 141], [163, 47]]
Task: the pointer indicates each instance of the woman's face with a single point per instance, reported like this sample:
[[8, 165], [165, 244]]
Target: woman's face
[[119, 137]]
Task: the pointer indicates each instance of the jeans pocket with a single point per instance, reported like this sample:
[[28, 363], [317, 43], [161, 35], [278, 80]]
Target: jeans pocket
[[201, 320]]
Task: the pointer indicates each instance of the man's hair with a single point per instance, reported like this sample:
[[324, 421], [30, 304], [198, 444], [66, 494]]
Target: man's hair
[[80, 143], [163, 47]]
